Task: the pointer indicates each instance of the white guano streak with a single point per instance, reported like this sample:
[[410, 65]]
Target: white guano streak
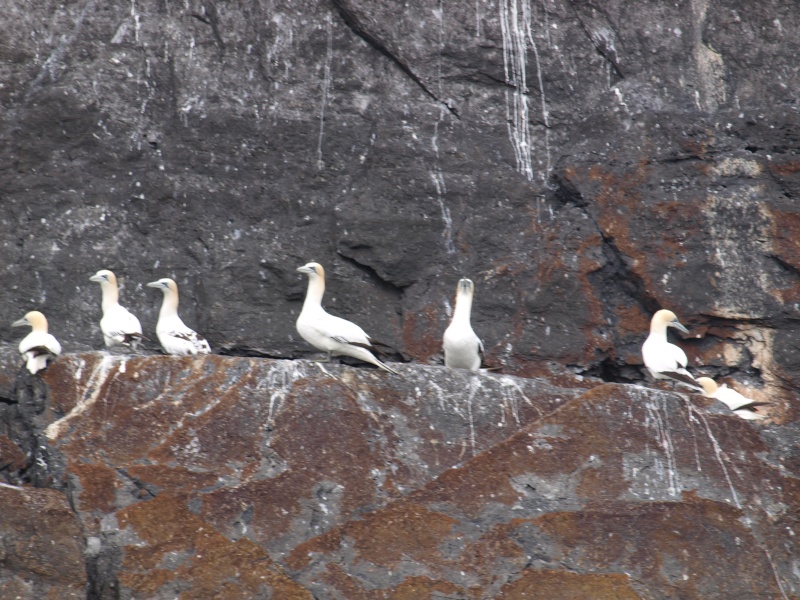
[[437, 176], [515, 26], [653, 419], [91, 393], [326, 84], [721, 458]]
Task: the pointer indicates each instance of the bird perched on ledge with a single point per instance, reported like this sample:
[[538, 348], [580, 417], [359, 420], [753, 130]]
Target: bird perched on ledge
[[38, 347], [118, 325], [462, 348], [175, 337], [662, 359], [328, 333], [741, 406]]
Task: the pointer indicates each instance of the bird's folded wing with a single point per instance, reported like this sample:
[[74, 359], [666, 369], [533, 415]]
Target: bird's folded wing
[[39, 350], [344, 340], [338, 329], [752, 406], [683, 378], [128, 336], [188, 335]]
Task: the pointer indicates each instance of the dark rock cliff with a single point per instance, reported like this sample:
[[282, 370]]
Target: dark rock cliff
[[585, 165]]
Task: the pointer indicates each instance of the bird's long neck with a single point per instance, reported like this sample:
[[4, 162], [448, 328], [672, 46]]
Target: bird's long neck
[[110, 294], [658, 328], [463, 308], [316, 289], [39, 326], [169, 306]]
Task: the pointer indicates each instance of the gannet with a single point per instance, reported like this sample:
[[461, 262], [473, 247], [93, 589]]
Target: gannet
[[119, 326], [665, 360], [38, 347], [175, 337], [462, 348], [334, 335], [741, 405]]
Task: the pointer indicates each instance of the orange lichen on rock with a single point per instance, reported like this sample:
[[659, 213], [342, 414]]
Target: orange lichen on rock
[[566, 585], [42, 546], [422, 333], [417, 588], [11, 455], [785, 242], [182, 548], [379, 540], [96, 486], [664, 543]]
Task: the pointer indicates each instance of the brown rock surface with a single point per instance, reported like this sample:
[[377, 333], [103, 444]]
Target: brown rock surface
[[633, 493], [217, 477], [257, 455], [41, 546]]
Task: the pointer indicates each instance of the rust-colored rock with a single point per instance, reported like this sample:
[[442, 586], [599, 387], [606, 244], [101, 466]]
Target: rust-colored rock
[[261, 456], [224, 477], [566, 585], [178, 550], [642, 489], [12, 458], [41, 546]]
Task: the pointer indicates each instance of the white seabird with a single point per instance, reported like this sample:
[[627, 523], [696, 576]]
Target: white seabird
[[119, 326], [38, 347], [462, 348], [175, 337], [741, 405], [662, 359], [333, 335]]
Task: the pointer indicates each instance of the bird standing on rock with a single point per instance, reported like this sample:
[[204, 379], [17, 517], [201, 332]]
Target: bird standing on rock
[[175, 337], [662, 359], [328, 333], [462, 348], [118, 325], [38, 347]]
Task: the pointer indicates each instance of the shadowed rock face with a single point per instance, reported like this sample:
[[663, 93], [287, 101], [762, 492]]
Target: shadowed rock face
[[240, 477], [585, 165]]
